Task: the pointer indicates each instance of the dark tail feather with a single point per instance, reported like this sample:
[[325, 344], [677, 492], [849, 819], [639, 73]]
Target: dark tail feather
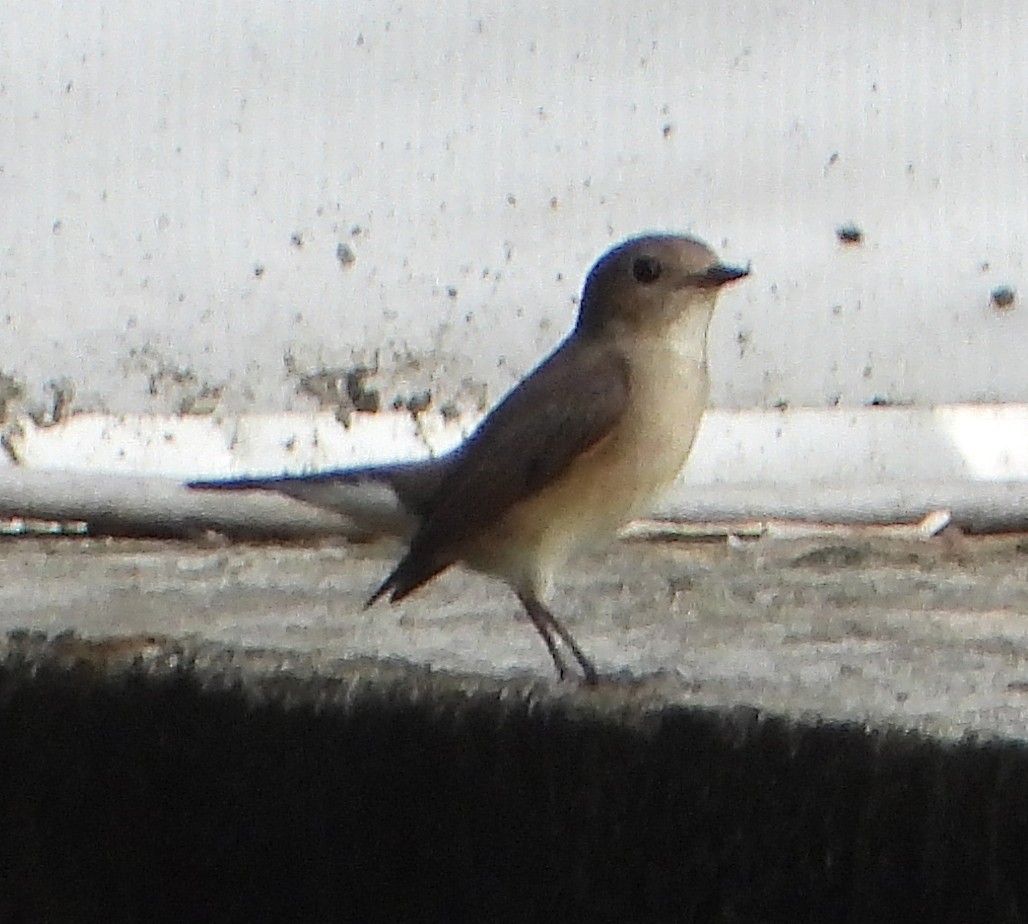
[[235, 484], [383, 589], [415, 483], [409, 575]]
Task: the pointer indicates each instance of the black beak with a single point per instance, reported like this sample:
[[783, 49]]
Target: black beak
[[718, 275]]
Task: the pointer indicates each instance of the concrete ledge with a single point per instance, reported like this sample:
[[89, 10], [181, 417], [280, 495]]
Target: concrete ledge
[[147, 779], [796, 445], [126, 505], [123, 475]]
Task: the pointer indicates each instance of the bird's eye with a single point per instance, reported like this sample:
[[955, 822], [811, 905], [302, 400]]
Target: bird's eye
[[646, 270]]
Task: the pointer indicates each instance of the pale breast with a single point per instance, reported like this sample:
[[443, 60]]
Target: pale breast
[[615, 480], [624, 473]]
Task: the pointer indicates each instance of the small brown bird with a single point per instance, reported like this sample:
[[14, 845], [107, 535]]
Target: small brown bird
[[580, 446]]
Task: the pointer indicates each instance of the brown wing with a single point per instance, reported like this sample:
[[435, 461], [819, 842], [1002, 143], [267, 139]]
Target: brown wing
[[567, 404]]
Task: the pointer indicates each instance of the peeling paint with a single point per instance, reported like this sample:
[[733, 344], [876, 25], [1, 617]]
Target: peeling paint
[[345, 255], [1003, 298], [345, 390], [12, 390], [849, 234], [60, 408], [172, 386], [219, 225]]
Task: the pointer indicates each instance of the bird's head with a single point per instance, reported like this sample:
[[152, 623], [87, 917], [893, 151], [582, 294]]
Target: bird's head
[[650, 282]]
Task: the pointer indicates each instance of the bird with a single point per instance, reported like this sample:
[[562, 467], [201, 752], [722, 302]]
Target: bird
[[581, 445]]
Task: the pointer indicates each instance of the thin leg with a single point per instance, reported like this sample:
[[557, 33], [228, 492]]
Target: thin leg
[[588, 670], [546, 625], [538, 614]]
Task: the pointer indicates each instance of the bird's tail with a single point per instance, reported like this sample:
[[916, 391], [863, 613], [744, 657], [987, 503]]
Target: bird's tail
[[380, 500]]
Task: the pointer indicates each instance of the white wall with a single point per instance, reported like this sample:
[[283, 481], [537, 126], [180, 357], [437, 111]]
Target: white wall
[[153, 156]]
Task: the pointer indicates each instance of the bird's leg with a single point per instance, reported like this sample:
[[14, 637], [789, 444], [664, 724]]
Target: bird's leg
[[588, 670], [539, 616], [546, 625]]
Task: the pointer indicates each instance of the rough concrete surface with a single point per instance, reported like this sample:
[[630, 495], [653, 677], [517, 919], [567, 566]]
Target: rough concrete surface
[[924, 634], [802, 730]]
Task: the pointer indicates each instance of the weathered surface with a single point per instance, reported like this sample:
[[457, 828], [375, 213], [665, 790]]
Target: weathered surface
[[239, 753], [931, 635]]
